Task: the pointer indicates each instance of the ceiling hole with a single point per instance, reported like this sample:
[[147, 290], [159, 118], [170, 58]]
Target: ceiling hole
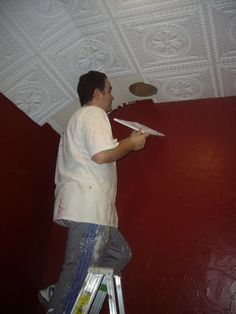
[[142, 89]]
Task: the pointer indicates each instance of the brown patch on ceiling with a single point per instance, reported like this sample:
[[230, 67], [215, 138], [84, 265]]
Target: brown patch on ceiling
[[142, 89]]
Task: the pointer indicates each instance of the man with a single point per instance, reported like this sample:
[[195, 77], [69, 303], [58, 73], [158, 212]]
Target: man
[[86, 190]]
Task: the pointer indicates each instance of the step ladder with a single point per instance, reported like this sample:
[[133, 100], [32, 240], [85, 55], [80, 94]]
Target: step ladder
[[98, 283]]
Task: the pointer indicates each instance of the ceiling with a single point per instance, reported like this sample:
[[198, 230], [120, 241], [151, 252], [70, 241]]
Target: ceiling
[[186, 48]]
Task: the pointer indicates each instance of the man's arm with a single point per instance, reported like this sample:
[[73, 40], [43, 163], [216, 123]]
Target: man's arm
[[136, 141]]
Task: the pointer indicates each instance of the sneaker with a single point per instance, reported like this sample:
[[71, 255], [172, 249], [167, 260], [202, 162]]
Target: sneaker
[[45, 295]]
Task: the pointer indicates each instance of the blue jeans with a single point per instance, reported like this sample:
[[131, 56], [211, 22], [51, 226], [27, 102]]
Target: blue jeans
[[88, 245]]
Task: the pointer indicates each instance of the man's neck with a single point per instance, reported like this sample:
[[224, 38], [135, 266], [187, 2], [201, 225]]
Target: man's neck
[[94, 103]]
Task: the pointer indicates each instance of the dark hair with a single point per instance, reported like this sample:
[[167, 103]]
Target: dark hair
[[88, 82]]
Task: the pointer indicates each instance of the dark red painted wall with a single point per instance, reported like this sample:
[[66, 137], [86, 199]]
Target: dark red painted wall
[[176, 202], [177, 207], [28, 155]]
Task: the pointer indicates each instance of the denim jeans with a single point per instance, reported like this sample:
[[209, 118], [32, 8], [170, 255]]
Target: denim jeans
[[88, 245]]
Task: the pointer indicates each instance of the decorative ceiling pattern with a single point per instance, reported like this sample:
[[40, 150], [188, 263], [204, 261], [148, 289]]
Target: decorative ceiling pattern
[[187, 48]]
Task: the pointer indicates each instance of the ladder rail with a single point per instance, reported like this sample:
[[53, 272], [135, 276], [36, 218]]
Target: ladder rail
[[119, 294], [111, 295]]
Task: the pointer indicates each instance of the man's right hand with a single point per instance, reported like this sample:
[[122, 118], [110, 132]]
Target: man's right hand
[[138, 139]]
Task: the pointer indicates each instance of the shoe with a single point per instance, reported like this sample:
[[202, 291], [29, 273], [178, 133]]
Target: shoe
[[45, 295]]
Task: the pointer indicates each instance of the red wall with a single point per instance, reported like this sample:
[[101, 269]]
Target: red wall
[[176, 202], [177, 207], [28, 155]]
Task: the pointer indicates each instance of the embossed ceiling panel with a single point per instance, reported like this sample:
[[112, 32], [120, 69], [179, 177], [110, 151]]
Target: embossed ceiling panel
[[187, 48]]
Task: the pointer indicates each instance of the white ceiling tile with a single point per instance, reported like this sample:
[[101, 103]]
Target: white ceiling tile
[[14, 52], [41, 20], [167, 38], [222, 17], [183, 83], [123, 8], [36, 92], [228, 76], [94, 47]]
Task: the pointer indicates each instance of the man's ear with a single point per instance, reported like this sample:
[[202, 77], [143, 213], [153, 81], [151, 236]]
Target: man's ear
[[96, 94]]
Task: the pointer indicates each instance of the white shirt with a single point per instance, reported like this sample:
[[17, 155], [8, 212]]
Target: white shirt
[[86, 191]]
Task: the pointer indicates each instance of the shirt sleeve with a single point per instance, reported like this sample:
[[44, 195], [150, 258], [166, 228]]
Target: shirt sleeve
[[98, 133]]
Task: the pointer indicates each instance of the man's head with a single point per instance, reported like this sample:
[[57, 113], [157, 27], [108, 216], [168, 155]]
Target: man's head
[[94, 86]]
